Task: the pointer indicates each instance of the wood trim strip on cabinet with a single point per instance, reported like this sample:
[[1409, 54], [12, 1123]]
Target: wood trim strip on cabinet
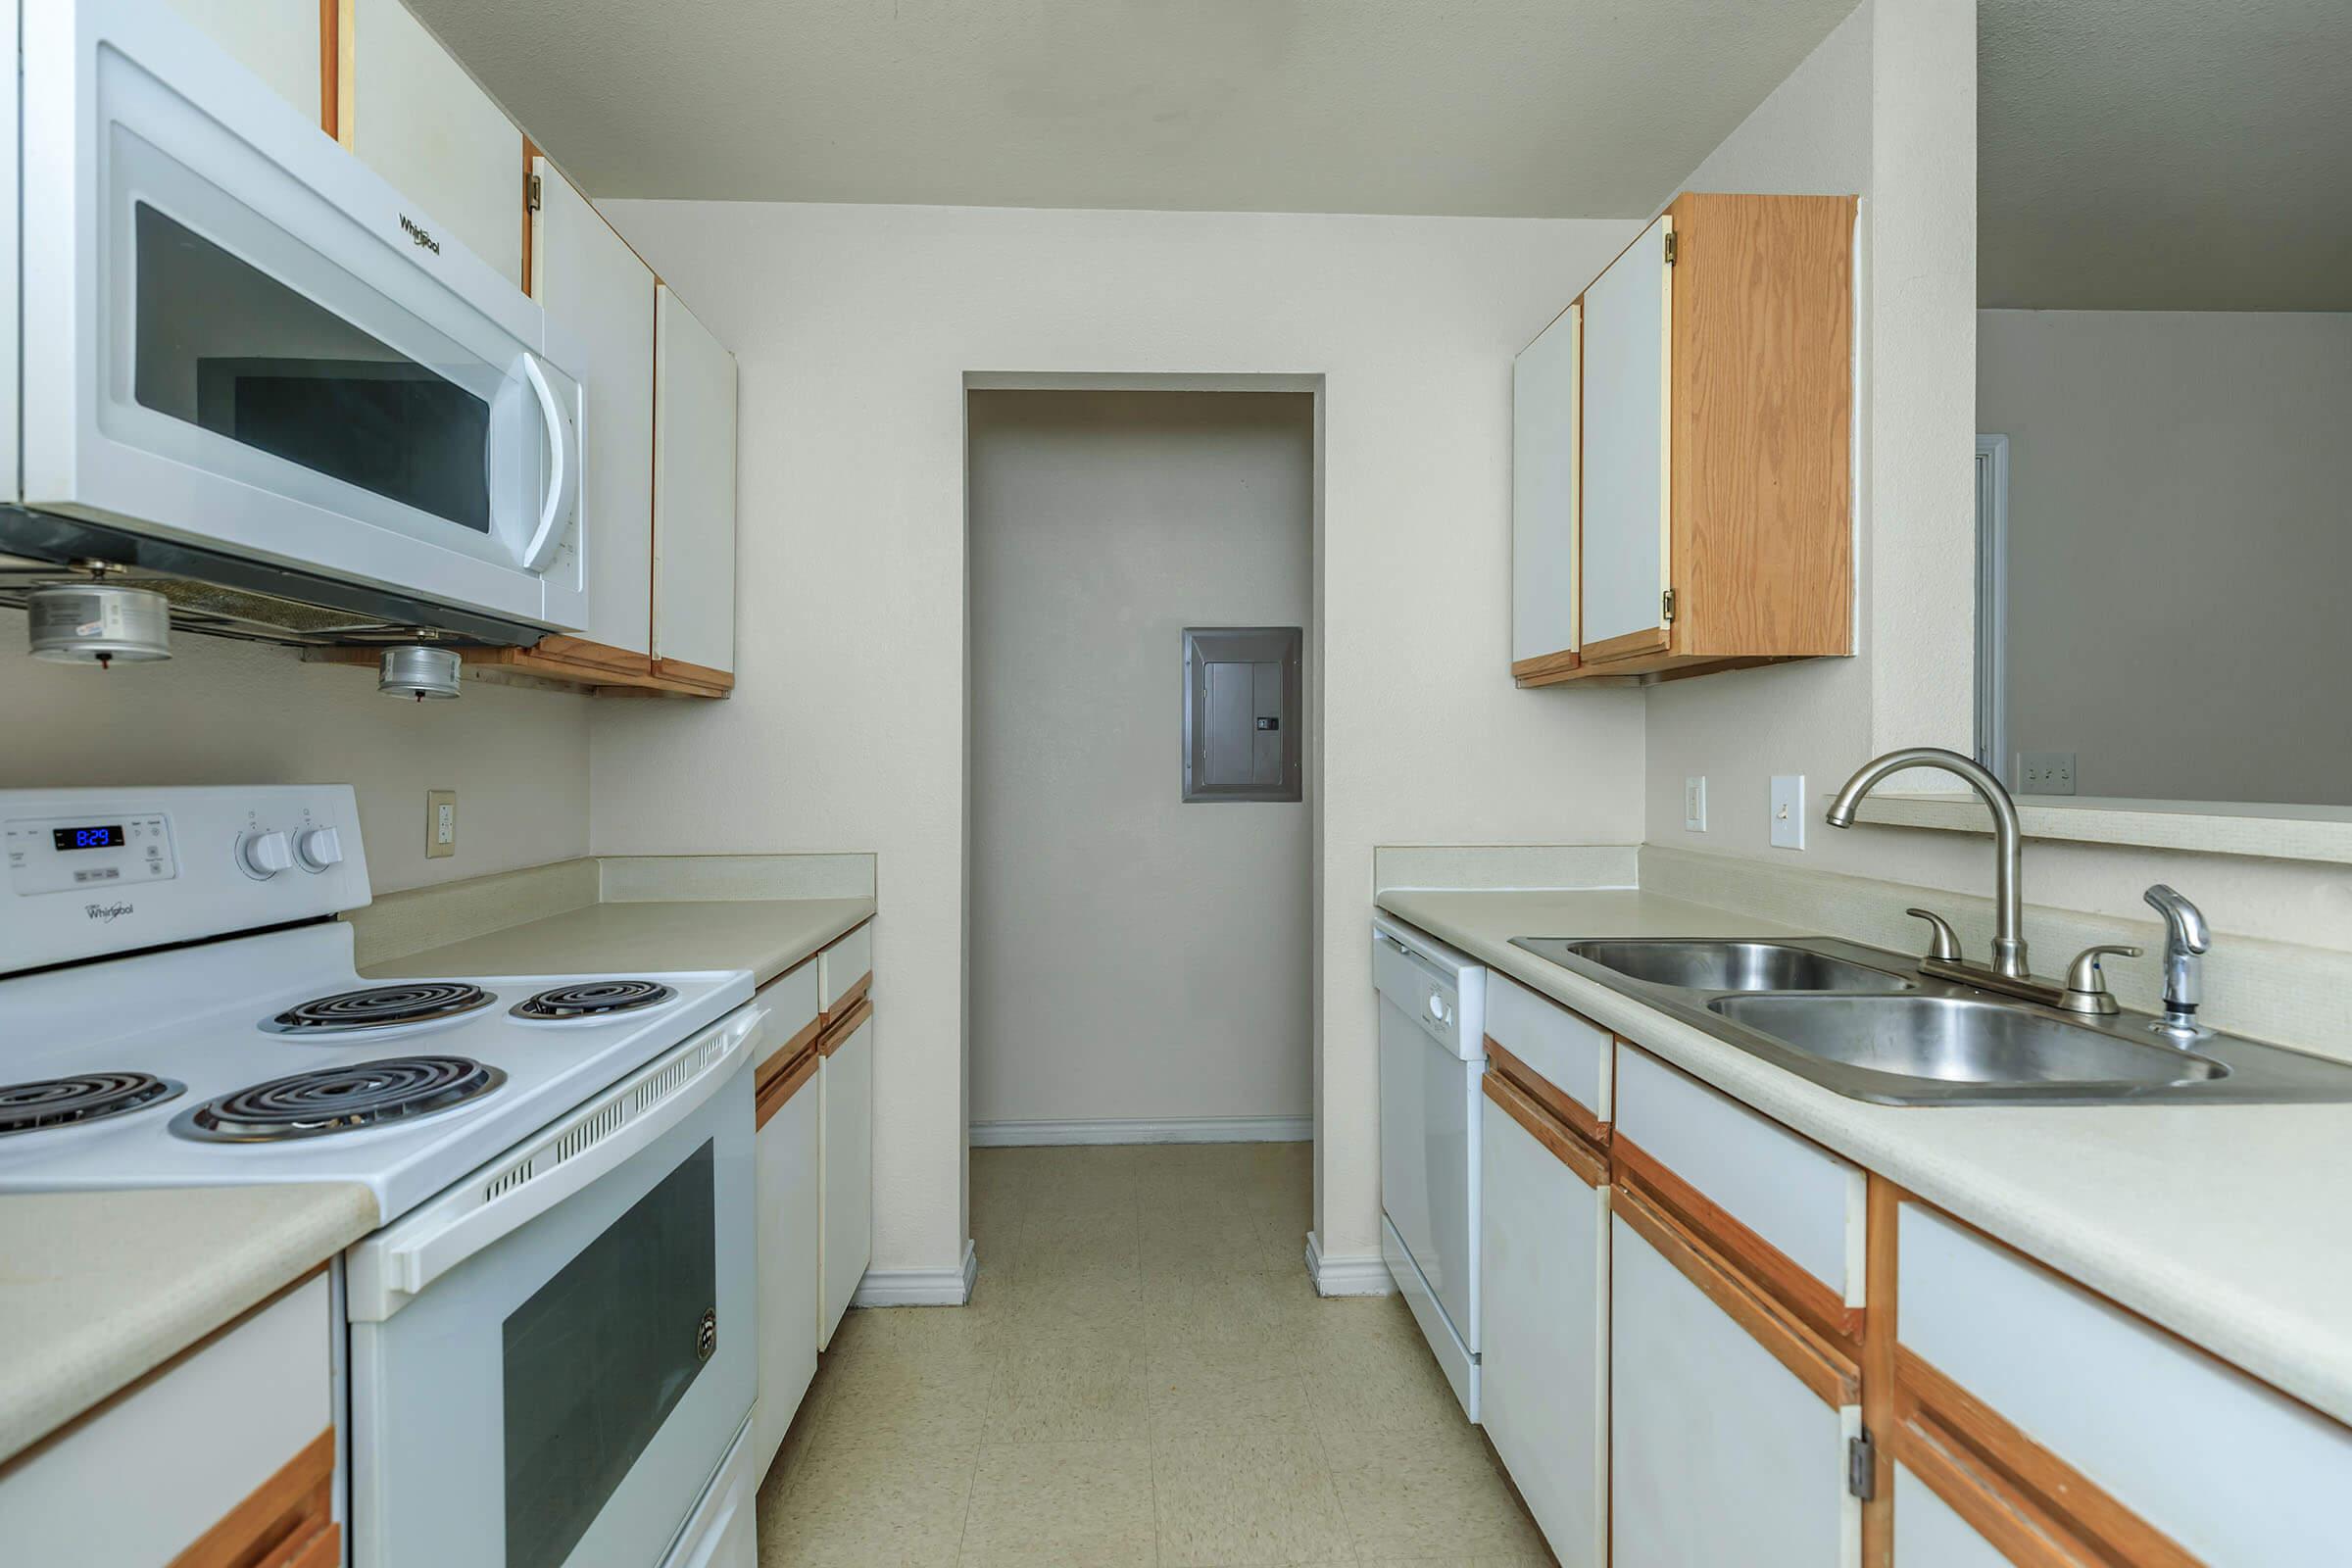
[[2034, 1505], [680, 672], [330, 64], [785, 1055], [1827, 1369], [1545, 668], [530, 156], [1822, 1308], [1590, 1166], [345, 68], [281, 1522], [856, 993], [1549, 1094], [777, 1091], [1649, 640], [837, 1033], [1881, 1225]]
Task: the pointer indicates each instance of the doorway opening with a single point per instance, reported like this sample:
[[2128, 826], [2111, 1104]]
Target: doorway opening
[[1138, 965]]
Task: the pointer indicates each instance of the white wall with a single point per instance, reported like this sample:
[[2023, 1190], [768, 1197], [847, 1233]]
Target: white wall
[[229, 713], [1131, 956], [1888, 98], [853, 326], [2179, 545]]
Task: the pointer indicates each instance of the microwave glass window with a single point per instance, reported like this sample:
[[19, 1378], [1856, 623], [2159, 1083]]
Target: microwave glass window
[[224, 346], [597, 1358]]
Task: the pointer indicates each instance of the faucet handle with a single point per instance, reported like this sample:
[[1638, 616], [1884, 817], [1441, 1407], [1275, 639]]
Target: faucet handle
[[2087, 983], [1944, 942]]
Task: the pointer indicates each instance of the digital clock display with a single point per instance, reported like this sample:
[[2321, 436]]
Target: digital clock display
[[88, 838]]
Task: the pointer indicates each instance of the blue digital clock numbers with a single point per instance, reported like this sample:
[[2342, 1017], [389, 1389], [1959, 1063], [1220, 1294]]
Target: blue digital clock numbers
[[108, 836]]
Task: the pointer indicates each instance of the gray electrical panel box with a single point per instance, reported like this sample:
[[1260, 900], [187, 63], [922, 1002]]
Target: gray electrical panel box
[[1243, 718]]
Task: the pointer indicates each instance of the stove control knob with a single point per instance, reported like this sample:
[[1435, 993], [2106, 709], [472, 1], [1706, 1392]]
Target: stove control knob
[[262, 854], [319, 847]]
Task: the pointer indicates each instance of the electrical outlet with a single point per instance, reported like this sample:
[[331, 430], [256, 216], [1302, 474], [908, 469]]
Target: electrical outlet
[[1694, 805], [2045, 772], [440, 823], [1788, 810]]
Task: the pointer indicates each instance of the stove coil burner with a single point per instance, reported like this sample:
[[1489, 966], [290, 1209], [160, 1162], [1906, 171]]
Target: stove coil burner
[[340, 1100], [89, 1097], [593, 999], [381, 1006]]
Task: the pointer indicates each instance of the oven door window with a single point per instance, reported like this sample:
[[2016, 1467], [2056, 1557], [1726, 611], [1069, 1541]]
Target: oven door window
[[223, 345], [636, 1305]]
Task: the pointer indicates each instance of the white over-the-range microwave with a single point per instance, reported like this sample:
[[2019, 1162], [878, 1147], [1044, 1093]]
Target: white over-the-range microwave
[[250, 371]]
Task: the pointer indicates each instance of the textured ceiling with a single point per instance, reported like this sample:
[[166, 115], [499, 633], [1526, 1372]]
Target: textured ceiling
[[1523, 108], [2165, 154]]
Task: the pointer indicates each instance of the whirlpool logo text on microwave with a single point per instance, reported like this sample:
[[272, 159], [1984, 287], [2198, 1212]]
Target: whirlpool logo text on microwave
[[419, 233], [105, 912]]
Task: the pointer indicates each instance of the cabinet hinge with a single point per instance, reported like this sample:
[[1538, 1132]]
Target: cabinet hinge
[[530, 191], [1673, 246], [1666, 605], [1862, 1466]]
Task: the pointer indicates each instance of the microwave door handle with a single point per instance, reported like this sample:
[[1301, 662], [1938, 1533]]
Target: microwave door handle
[[563, 468], [415, 1261]]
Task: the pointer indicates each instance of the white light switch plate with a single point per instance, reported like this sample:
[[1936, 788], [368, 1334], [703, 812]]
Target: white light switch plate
[[1789, 810], [1694, 805]]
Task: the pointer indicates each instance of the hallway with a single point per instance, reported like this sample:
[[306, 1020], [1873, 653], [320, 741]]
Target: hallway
[[1145, 1376]]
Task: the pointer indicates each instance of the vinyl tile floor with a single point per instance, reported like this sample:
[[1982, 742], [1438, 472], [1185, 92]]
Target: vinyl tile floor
[[1144, 1379]]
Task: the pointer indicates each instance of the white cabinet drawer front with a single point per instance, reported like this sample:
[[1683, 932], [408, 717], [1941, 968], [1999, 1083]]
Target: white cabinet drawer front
[[1543, 1331], [1573, 1055], [843, 965], [2230, 1468], [1928, 1535], [1795, 1194], [792, 1004], [1718, 1455], [181, 1450]]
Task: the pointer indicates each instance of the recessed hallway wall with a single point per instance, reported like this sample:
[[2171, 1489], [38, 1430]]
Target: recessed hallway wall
[[1132, 957]]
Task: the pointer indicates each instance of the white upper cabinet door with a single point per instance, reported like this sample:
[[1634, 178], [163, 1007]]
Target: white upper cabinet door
[[277, 40], [594, 286], [1626, 407], [420, 120], [1543, 491], [694, 490]]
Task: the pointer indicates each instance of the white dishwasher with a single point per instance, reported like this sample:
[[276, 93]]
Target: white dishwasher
[[1432, 1052]]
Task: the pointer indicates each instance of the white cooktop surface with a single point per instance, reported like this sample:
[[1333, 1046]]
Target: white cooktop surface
[[196, 1014]]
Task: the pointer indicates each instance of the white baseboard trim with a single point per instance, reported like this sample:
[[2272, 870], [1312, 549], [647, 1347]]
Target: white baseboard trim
[[1118, 1130], [1356, 1274], [919, 1287]]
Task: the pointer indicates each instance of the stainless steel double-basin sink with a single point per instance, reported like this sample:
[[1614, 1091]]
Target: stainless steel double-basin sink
[[1868, 1025]]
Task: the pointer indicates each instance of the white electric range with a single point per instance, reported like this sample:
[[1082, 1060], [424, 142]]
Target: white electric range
[[549, 1353]]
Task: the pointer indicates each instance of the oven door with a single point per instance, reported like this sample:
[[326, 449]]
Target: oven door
[[550, 1360], [244, 339]]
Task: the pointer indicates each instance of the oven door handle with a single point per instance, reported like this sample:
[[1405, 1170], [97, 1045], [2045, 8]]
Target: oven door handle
[[495, 1207]]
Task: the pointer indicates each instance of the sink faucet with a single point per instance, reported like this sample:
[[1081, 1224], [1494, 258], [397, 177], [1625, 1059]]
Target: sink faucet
[[2009, 936], [2185, 936]]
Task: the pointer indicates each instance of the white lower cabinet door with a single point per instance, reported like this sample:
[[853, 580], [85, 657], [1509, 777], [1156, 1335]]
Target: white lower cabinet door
[[786, 1185], [1927, 1533], [1545, 1373], [848, 1081], [1719, 1453]]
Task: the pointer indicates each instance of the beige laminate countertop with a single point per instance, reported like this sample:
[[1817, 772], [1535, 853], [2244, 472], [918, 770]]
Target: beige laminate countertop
[[98, 1288], [2231, 1225], [767, 936]]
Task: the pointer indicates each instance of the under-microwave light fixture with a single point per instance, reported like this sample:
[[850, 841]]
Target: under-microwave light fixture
[[97, 623], [417, 670]]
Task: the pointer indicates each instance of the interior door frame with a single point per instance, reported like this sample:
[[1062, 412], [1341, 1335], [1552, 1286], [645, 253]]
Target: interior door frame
[[1993, 605]]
